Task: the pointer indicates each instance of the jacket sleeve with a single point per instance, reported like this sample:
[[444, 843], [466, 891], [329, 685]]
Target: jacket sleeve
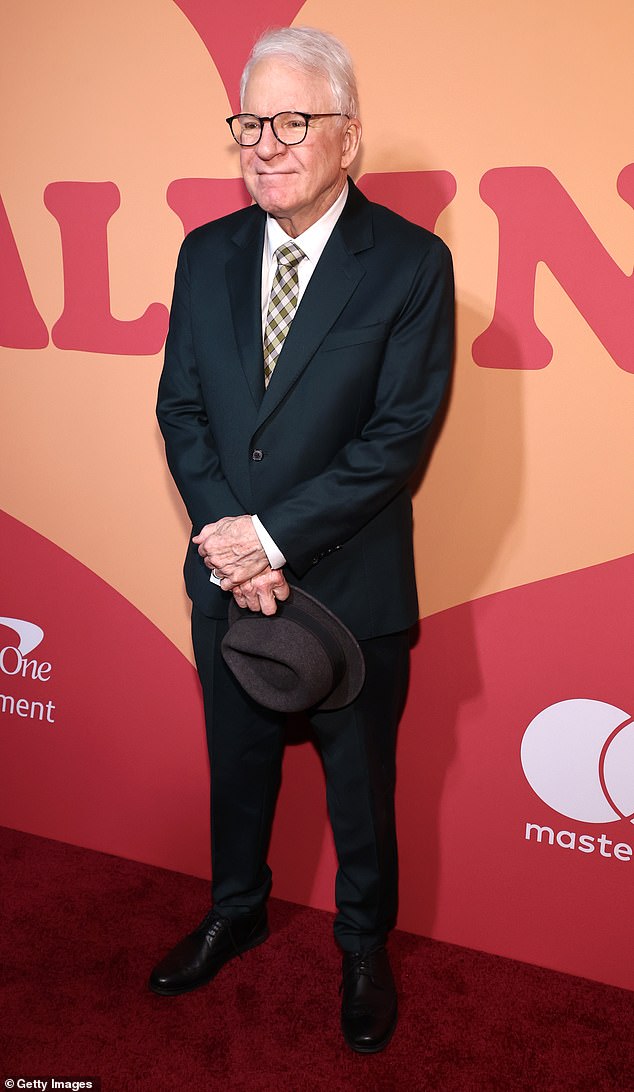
[[189, 443], [367, 473]]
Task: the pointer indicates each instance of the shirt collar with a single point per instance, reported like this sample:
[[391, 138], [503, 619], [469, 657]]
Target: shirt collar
[[313, 240]]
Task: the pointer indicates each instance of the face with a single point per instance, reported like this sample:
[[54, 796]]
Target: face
[[296, 184]]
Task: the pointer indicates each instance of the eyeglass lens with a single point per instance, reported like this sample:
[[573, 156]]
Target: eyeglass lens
[[288, 127]]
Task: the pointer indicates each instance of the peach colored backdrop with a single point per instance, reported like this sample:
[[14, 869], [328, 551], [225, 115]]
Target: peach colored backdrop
[[509, 128]]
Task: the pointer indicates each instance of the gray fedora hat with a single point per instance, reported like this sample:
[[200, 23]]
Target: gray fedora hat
[[302, 657]]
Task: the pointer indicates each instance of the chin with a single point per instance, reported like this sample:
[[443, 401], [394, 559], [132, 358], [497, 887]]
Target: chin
[[273, 194], [279, 209]]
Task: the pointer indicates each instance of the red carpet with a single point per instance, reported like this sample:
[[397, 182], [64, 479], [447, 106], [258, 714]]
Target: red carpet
[[82, 930]]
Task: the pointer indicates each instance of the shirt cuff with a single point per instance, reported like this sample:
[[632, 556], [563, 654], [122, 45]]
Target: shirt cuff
[[271, 549]]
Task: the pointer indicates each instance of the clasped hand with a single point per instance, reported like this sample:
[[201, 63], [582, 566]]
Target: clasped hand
[[231, 548]]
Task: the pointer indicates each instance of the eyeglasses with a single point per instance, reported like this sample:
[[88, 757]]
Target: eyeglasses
[[289, 126]]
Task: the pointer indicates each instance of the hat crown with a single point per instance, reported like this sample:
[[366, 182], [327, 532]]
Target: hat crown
[[299, 658]]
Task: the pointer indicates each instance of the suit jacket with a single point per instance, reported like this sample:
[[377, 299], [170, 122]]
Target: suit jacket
[[324, 455]]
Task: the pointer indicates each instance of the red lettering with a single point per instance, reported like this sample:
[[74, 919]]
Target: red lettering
[[539, 222], [197, 200], [229, 32], [419, 196], [21, 325], [82, 210]]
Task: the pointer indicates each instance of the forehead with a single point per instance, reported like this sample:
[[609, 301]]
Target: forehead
[[274, 85]]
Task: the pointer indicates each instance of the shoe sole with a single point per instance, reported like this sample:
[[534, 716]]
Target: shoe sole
[[163, 992]]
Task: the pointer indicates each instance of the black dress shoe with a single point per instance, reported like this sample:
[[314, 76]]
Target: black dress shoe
[[198, 957], [368, 1007]]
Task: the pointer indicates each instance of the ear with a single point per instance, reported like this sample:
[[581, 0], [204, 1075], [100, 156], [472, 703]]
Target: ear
[[351, 142]]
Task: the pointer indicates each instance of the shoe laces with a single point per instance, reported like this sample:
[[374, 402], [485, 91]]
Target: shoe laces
[[213, 923], [360, 963]]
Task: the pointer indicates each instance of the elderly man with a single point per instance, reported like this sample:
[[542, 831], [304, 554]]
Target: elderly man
[[309, 347]]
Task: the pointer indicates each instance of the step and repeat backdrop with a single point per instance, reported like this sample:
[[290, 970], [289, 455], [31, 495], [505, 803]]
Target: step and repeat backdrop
[[507, 129]]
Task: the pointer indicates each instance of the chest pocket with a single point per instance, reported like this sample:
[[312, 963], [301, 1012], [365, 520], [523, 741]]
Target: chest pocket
[[342, 339]]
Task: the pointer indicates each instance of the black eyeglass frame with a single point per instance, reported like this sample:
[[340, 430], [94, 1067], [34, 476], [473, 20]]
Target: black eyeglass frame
[[271, 121]]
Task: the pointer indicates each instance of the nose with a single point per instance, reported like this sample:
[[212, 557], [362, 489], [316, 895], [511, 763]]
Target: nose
[[268, 144]]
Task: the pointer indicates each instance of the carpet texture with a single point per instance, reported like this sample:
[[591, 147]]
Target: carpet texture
[[82, 930]]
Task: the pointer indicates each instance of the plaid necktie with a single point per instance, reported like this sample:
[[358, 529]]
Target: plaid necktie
[[282, 304]]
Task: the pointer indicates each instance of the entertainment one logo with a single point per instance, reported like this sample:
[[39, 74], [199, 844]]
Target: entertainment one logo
[[16, 662], [578, 757]]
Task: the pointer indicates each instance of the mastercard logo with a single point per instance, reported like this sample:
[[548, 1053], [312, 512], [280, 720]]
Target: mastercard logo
[[578, 757]]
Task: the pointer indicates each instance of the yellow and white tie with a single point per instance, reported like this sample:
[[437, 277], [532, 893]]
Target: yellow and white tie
[[282, 304]]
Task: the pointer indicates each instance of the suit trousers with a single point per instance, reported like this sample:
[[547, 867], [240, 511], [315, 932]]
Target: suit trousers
[[357, 746]]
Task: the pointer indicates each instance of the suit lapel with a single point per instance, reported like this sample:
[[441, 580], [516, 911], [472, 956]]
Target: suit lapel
[[336, 277], [244, 284]]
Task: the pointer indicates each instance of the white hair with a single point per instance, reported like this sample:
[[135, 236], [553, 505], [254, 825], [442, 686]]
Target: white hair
[[313, 51]]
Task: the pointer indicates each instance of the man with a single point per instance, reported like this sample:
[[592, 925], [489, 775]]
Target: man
[[309, 347]]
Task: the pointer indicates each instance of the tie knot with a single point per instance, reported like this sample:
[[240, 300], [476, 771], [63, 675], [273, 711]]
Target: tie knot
[[289, 254]]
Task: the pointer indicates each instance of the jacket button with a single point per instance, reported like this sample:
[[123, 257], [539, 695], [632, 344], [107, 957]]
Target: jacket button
[[257, 455]]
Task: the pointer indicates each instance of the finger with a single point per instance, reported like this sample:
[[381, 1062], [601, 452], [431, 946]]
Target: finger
[[281, 592], [217, 558], [240, 595], [267, 604], [203, 533], [249, 596], [243, 571]]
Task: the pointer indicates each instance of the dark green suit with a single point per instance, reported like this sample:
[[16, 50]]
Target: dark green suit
[[323, 457]]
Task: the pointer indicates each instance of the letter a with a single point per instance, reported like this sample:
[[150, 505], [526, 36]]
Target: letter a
[[21, 326]]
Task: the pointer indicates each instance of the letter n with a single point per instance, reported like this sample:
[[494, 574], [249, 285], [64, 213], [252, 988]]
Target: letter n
[[82, 210], [539, 222]]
